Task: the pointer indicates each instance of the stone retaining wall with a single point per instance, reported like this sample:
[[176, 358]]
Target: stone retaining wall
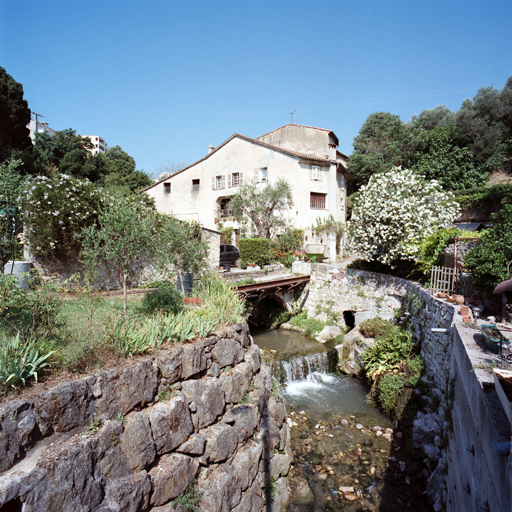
[[336, 292], [134, 439]]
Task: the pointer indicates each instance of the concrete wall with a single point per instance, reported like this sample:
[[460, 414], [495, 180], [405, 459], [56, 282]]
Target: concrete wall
[[478, 478], [199, 411]]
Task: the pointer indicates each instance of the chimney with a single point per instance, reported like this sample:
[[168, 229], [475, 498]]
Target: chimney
[[210, 149]]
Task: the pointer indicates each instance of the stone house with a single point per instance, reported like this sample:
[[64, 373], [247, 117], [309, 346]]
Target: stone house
[[304, 156]]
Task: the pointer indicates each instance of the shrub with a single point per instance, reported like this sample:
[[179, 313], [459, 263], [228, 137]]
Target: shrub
[[56, 210], [31, 314], [219, 299], [394, 212], [21, 359], [377, 328], [255, 250], [165, 298]]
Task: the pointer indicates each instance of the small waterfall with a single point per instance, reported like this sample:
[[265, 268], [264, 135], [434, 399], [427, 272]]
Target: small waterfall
[[299, 368]]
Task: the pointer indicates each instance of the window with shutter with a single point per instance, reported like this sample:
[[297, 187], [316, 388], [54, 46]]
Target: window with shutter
[[317, 201], [315, 172], [195, 185], [167, 188], [264, 174]]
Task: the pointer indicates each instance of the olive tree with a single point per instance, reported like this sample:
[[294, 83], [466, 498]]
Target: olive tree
[[123, 235], [258, 210]]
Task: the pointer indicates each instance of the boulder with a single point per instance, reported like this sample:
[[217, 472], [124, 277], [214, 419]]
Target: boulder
[[222, 492], [171, 424], [65, 407], [170, 365], [227, 352], [122, 391], [221, 442], [129, 494], [208, 398], [171, 477], [245, 418], [194, 446], [193, 360], [329, 332], [137, 443], [246, 463]]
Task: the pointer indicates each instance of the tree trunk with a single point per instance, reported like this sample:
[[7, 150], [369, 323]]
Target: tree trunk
[[125, 297]]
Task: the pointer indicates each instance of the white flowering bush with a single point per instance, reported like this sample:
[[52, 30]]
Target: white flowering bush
[[395, 212], [56, 210]]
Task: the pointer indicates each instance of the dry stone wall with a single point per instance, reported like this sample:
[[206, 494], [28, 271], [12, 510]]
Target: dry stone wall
[[346, 294], [133, 439]]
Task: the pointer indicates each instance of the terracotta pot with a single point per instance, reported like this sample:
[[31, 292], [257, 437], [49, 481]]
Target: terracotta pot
[[442, 295], [459, 299], [251, 265]]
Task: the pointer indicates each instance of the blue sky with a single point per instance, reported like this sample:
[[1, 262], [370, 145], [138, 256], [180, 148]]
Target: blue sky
[[164, 79]]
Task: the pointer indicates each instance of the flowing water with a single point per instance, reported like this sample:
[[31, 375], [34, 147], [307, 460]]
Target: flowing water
[[346, 454]]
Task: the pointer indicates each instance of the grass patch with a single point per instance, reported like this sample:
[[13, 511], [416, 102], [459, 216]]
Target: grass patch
[[311, 326], [377, 328]]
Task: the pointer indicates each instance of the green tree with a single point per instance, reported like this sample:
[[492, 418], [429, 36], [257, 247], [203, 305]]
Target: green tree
[[428, 119], [258, 210], [14, 116], [488, 261], [53, 149], [486, 120], [122, 171], [442, 154], [122, 236], [11, 188], [379, 146], [180, 246]]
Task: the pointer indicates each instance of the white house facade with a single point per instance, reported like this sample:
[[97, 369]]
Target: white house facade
[[304, 156]]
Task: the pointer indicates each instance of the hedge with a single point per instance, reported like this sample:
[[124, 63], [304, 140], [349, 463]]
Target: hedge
[[255, 250]]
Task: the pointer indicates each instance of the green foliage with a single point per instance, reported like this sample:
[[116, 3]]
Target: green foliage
[[311, 326], [14, 116], [285, 247], [442, 154], [57, 209], [481, 201], [258, 210], [122, 236], [488, 261], [165, 299], [21, 359], [179, 246], [393, 368], [227, 234], [11, 187], [190, 499], [377, 148], [433, 245], [377, 328], [31, 314], [255, 250], [330, 226], [219, 299]]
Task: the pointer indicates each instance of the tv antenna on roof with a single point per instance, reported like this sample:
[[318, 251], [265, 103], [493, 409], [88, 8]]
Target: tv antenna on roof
[[291, 113], [36, 115]]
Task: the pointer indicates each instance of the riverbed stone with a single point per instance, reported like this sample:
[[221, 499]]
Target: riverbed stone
[[329, 332], [171, 424], [171, 477]]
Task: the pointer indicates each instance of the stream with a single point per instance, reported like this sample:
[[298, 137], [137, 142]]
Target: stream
[[346, 454]]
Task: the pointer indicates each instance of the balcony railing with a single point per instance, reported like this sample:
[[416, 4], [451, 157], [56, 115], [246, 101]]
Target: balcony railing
[[224, 212]]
